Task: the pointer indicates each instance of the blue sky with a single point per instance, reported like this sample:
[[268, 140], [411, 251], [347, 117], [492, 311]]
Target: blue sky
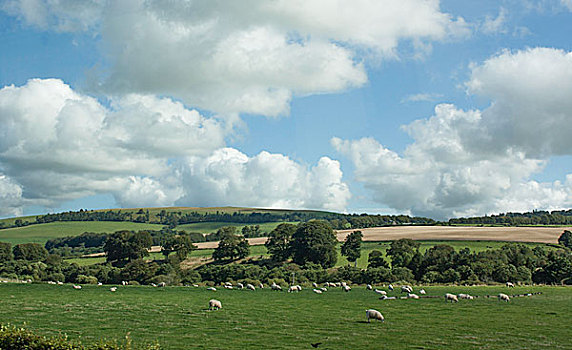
[[441, 109]]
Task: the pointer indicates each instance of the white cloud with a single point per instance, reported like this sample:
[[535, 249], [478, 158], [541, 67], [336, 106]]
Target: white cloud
[[10, 197], [495, 25], [230, 177], [243, 57], [477, 162], [57, 144], [421, 97], [567, 3]]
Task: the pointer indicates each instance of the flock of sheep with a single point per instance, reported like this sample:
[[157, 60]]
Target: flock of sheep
[[215, 304]]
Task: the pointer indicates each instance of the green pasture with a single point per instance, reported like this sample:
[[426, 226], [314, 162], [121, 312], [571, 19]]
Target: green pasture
[[178, 317], [42, 232]]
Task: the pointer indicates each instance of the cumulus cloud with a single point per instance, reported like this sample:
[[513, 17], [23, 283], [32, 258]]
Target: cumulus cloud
[[243, 57], [476, 162], [57, 144], [495, 25], [229, 176]]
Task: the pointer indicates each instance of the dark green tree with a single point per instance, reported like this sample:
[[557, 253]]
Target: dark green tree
[[314, 241], [565, 239], [30, 252], [351, 248], [123, 246], [375, 259], [5, 252], [278, 243], [402, 251], [230, 246], [180, 244]]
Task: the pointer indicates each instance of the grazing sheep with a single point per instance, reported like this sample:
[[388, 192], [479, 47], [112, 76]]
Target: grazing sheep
[[195, 285], [369, 287], [324, 289], [215, 304], [153, 284], [382, 292], [240, 286], [162, 284], [390, 287], [261, 286], [376, 315], [422, 291], [385, 297], [275, 287], [406, 289], [465, 296], [293, 289], [346, 288], [317, 291], [451, 297], [510, 284], [412, 296], [212, 288], [76, 287], [60, 283], [227, 286], [338, 284], [51, 282], [327, 284], [250, 286], [99, 284], [314, 284], [503, 297], [344, 284], [124, 283], [113, 289]]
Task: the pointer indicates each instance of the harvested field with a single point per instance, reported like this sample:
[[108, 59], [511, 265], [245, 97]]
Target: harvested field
[[463, 233]]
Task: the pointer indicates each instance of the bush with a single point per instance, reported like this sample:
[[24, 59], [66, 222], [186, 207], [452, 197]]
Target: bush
[[83, 279], [19, 338]]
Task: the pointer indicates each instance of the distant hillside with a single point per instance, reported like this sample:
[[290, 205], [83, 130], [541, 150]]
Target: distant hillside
[[537, 217]]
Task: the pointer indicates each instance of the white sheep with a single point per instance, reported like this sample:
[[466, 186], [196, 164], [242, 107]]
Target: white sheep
[[390, 287], [113, 289], [261, 286], [212, 288], [503, 297], [369, 287], [317, 291], [195, 285], [250, 286], [406, 289], [162, 284], [124, 283], [99, 284], [382, 292], [314, 284], [376, 315], [344, 284], [465, 296], [60, 283], [153, 284], [275, 287], [215, 304], [412, 296], [293, 289], [510, 284], [240, 286], [346, 288], [227, 286], [76, 287], [338, 284], [324, 289], [451, 297], [422, 291]]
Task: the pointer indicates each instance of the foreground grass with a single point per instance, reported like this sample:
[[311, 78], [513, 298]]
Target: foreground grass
[[177, 317]]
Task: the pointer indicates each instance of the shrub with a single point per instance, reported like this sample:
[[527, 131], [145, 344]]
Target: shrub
[[83, 279]]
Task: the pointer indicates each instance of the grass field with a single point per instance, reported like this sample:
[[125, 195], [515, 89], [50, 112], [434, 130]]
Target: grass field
[[177, 317], [42, 232], [208, 227]]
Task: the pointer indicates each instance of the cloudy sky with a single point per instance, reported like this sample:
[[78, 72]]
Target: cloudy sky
[[424, 107]]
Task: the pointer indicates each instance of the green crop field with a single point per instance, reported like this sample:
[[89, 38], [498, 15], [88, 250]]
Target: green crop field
[[42, 232], [177, 317], [208, 227]]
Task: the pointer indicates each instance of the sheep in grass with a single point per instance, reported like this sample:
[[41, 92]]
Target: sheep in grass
[[240, 286], [250, 287], [261, 286], [382, 292], [406, 289], [369, 287], [275, 287], [503, 297], [412, 296], [465, 296], [227, 286], [422, 291], [293, 289], [212, 288], [317, 291], [215, 304], [324, 289], [346, 288], [390, 287], [113, 289], [76, 287], [451, 297], [510, 285], [376, 315], [314, 284]]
